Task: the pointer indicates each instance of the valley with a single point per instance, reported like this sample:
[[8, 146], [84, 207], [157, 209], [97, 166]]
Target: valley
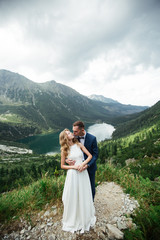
[[33, 182], [29, 108]]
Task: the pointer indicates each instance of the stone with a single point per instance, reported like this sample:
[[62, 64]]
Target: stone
[[42, 226], [55, 212], [114, 220], [22, 231], [121, 225], [46, 206], [102, 236], [131, 208], [103, 229], [49, 224], [55, 224], [53, 207], [113, 209], [114, 232], [29, 228], [47, 213], [129, 223]]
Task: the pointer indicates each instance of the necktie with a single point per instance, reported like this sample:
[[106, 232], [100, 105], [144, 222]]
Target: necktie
[[79, 137]]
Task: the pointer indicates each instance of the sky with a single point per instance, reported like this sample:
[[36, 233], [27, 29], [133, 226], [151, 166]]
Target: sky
[[103, 47]]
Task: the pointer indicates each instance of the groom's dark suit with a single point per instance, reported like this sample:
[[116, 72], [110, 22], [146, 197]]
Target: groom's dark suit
[[91, 144]]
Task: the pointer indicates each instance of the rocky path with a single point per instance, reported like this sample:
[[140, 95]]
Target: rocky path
[[112, 206]]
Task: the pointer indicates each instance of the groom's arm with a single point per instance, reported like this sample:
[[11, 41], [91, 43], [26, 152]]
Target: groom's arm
[[94, 152], [69, 161]]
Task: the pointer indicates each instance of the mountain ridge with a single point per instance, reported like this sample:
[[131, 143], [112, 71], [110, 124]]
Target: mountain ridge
[[110, 100], [140, 120], [102, 98], [48, 106]]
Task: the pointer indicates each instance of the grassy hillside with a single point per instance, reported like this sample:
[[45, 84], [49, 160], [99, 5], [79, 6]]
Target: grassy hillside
[[145, 142], [35, 180], [141, 176], [46, 181], [27, 200], [140, 120]]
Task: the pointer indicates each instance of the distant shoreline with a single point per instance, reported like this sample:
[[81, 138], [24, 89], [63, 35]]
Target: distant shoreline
[[13, 149]]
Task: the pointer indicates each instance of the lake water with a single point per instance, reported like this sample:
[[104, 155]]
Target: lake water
[[49, 143]]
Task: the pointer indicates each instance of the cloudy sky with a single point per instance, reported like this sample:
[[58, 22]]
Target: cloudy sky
[[104, 47]]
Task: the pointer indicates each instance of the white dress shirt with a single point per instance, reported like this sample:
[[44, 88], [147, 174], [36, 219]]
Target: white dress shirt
[[83, 140]]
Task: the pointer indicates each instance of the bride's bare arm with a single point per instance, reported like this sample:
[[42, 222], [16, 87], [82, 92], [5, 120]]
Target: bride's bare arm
[[63, 160]]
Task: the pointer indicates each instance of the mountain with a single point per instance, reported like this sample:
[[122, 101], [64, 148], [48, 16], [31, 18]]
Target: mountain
[[102, 98], [142, 120], [116, 107], [29, 108]]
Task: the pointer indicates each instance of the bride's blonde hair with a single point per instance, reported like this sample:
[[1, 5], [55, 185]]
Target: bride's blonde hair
[[64, 142]]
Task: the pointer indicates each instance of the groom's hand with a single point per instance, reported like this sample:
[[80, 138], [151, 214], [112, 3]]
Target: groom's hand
[[82, 169], [70, 162]]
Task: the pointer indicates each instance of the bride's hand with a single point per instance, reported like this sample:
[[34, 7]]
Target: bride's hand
[[75, 167], [81, 167]]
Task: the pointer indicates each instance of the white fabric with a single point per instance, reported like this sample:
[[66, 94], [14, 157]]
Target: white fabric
[[79, 211], [83, 140]]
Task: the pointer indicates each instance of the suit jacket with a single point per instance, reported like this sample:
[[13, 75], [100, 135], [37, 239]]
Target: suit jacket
[[91, 145]]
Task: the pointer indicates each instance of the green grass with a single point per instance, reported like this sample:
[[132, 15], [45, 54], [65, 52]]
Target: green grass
[[49, 190], [30, 198], [143, 143], [147, 217]]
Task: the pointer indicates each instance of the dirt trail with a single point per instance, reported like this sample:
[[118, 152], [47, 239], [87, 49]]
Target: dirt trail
[[111, 205]]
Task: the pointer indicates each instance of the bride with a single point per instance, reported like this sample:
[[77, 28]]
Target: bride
[[79, 211]]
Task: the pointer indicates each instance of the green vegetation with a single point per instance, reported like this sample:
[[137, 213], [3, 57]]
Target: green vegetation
[[30, 198], [49, 190], [17, 170], [138, 121], [147, 217], [141, 177], [38, 180], [14, 131], [31, 108], [140, 145], [34, 180]]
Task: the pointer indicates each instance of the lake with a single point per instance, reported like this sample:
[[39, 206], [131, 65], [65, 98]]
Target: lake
[[49, 143]]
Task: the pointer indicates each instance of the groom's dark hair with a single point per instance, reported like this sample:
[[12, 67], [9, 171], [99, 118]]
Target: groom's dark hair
[[80, 124]]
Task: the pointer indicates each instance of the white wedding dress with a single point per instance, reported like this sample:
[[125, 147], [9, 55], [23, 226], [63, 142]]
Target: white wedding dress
[[79, 211]]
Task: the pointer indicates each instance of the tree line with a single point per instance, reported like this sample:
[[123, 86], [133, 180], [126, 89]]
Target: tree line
[[21, 174]]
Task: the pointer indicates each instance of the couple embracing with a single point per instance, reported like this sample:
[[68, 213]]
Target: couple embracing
[[79, 150]]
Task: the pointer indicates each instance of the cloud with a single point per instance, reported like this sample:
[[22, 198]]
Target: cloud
[[81, 43]]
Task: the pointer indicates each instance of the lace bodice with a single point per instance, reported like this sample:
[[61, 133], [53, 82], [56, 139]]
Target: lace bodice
[[76, 154]]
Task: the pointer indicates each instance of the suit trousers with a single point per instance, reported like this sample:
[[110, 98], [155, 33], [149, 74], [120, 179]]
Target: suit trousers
[[92, 180]]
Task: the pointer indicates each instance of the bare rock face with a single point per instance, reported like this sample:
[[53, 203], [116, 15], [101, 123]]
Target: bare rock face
[[113, 208]]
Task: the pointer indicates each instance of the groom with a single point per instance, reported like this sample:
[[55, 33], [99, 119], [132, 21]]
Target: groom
[[90, 142]]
